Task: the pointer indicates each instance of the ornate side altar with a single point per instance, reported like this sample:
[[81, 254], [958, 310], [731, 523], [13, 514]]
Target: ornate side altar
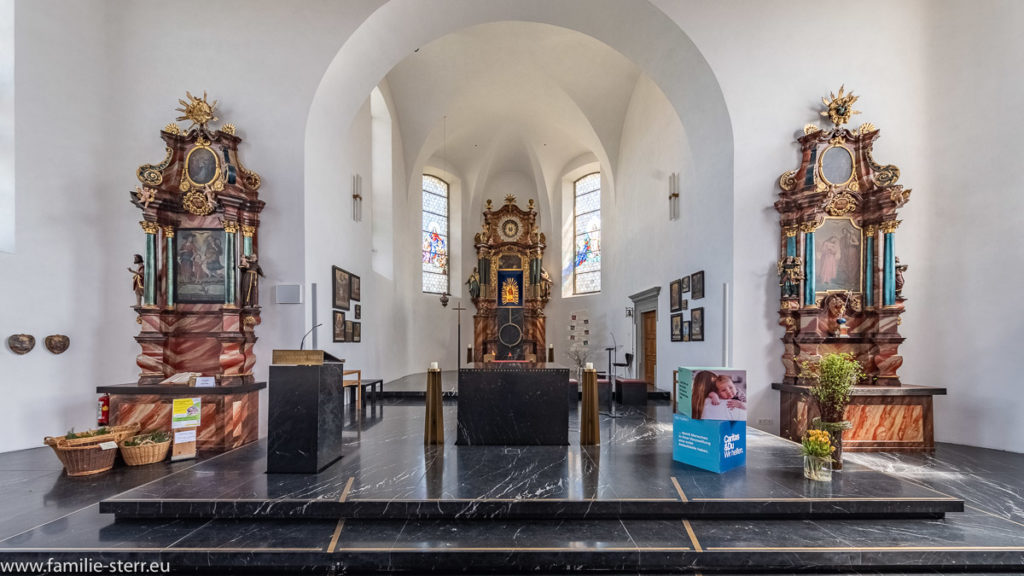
[[841, 282], [197, 287], [199, 300], [509, 286]]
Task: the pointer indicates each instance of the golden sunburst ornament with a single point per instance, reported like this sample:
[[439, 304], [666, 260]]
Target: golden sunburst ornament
[[840, 107], [196, 110]]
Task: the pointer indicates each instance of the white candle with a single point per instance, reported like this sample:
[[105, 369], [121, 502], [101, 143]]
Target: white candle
[[433, 365], [588, 366]]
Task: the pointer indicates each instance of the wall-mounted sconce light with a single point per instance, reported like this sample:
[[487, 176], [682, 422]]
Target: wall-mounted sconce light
[[357, 197], [673, 196]]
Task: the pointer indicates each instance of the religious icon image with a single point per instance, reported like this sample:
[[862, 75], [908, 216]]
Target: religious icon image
[[339, 326], [200, 276], [697, 325], [340, 288], [837, 256], [202, 165], [355, 287], [697, 285], [674, 295], [510, 292], [677, 327]]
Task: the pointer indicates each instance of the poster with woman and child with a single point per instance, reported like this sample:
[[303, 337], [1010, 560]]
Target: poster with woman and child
[[712, 393]]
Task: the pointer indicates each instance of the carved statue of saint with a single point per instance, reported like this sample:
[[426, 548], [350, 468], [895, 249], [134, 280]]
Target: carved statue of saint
[[138, 279], [545, 284], [474, 284], [900, 269], [790, 274], [251, 273]]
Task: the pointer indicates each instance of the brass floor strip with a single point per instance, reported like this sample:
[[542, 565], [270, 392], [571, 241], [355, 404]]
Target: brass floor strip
[[867, 549], [832, 499], [693, 536], [334, 538], [520, 549], [679, 489], [348, 488], [233, 550]]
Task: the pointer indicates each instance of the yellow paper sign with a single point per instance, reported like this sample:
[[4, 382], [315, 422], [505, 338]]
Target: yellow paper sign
[[185, 412]]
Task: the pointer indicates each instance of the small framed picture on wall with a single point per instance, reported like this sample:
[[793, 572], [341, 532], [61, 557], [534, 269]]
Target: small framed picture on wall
[[684, 284], [359, 311], [697, 325], [674, 295], [686, 331], [677, 327], [697, 285], [339, 326]]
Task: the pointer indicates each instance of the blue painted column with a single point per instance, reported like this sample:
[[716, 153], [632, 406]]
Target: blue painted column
[[230, 265], [889, 278], [247, 233], [809, 268], [869, 267], [169, 265], [791, 245], [149, 284]]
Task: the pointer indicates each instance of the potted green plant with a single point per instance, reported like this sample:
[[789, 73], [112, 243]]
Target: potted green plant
[[833, 378], [817, 448]]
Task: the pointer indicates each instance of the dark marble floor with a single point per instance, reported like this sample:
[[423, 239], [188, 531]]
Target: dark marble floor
[[386, 464]]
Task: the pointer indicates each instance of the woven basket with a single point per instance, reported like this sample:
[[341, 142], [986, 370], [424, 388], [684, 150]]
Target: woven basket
[[144, 453], [85, 459], [114, 434]]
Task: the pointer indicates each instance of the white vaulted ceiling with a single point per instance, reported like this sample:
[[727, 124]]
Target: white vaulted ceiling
[[511, 97]]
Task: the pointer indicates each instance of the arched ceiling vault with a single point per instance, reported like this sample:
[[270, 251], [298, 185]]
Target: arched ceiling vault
[[511, 97]]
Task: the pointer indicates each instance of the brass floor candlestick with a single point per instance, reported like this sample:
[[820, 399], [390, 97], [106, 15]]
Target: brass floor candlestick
[[433, 432], [590, 433]]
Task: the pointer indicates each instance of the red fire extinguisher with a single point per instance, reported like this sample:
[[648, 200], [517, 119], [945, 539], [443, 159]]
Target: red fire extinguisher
[[103, 415]]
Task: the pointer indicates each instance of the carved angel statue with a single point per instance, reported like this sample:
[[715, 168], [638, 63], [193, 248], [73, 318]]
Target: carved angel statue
[[138, 279], [144, 195], [211, 198], [474, 284]]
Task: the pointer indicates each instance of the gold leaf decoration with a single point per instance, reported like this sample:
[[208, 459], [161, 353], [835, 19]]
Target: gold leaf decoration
[[153, 174], [788, 180], [839, 108], [172, 128], [196, 110], [196, 202]]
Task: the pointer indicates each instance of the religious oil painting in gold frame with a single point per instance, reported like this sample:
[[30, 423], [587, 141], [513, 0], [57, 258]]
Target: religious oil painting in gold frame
[[200, 266], [838, 256]]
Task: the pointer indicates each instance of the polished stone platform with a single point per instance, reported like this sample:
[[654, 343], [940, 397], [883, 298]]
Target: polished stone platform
[[394, 466], [391, 475]]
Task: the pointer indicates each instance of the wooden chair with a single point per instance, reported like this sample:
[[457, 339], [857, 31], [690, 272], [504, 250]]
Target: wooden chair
[[357, 382]]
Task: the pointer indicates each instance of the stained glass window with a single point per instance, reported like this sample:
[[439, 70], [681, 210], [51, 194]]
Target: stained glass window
[[435, 235], [587, 226]]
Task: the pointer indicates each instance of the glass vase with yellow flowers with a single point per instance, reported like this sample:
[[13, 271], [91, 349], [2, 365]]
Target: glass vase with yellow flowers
[[817, 448]]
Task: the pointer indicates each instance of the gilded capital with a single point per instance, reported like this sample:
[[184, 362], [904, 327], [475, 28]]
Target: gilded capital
[[168, 231], [248, 231], [890, 226], [231, 226], [808, 227], [871, 230], [149, 227], [790, 231]]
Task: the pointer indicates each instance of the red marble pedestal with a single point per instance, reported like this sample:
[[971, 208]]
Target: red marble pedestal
[[230, 414], [884, 418]]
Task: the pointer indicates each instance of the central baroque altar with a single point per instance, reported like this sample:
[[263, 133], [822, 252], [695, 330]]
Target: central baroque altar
[[509, 286]]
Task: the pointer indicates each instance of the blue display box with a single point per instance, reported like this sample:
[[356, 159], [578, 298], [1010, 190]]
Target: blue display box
[[714, 445]]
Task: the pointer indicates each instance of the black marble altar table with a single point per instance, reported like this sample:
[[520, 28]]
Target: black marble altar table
[[513, 403], [305, 418]]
